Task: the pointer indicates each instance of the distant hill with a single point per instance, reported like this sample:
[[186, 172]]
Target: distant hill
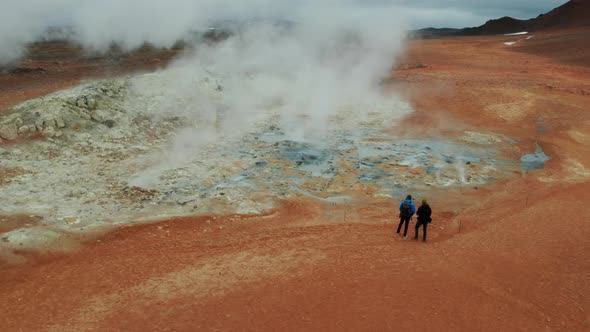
[[430, 33], [574, 13], [496, 27]]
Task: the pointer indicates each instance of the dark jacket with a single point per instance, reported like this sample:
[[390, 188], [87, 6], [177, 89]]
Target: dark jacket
[[424, 213]]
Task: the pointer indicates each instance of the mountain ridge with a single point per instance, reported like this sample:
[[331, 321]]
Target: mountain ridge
[[572, 14]]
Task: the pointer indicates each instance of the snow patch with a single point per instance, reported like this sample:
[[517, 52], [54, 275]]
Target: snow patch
[[516, 33], [510, 43]]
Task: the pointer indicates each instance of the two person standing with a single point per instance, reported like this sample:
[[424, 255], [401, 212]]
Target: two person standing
[[407, 209]]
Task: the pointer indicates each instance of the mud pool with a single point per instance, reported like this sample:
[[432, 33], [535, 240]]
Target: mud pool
[[533, 161]]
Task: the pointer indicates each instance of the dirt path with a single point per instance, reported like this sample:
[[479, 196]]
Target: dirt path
[[520, 262]]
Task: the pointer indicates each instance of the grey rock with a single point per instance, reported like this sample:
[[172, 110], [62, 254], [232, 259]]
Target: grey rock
[[39, 125], [50, 122], [60, 122], [32, 128], [109, 123], [23, 129], [81, 102], [91, 102], [98, 116], [9, 132], [19, 122], [183, 200], [90, 197], [49, 132]]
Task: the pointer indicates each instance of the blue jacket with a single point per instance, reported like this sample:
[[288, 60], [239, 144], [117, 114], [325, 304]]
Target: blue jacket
[[411, 204]]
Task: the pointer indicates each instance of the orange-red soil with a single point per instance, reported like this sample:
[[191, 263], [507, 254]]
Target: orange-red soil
[[513, 255]]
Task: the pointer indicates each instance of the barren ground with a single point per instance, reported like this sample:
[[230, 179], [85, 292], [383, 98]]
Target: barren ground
[[512, 255], [53, 66]]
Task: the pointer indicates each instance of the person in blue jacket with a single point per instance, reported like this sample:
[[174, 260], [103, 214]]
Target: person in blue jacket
[[406, 211]]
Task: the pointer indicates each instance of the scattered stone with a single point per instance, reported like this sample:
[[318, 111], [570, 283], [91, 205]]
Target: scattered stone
[[98, 116], [71, 220], [39, 125], [9, 132], [32, 128], [60, 123], [23, 130], [109, 123], [90, 197], [49, 132], [185, 200], [49, 122], [91, 102], [137, 194], [479, 138], [19, 122], [81, 102]]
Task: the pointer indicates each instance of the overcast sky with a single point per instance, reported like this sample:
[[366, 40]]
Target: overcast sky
[[467, 13]]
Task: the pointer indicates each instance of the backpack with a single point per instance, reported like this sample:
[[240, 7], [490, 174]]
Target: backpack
[[406, 211]]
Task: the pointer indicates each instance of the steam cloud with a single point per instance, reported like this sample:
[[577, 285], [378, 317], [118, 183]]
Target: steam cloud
[[133, 22], [331, 55], [324, 59]]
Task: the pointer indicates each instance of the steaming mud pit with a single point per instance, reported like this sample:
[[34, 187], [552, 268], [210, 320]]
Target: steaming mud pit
[[121, 151]]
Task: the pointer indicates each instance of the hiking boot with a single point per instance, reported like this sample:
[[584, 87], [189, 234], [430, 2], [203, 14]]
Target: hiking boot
[[405, 237]]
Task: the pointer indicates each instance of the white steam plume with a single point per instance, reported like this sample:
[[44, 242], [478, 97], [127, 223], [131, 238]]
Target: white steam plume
[[332, 56], [132, 22]]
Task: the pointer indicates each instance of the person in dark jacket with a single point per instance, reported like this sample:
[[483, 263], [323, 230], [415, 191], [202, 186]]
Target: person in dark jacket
[[424, 213], [406, 211]]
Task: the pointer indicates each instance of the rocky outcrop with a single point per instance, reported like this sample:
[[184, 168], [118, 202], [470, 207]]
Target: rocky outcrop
[[84, 107], [9, 131]]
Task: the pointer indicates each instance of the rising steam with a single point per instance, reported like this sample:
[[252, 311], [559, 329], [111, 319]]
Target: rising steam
[[305, 69], [304, 61]]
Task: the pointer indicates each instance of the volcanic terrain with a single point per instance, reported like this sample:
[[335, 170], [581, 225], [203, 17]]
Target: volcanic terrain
[[301, 237]]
